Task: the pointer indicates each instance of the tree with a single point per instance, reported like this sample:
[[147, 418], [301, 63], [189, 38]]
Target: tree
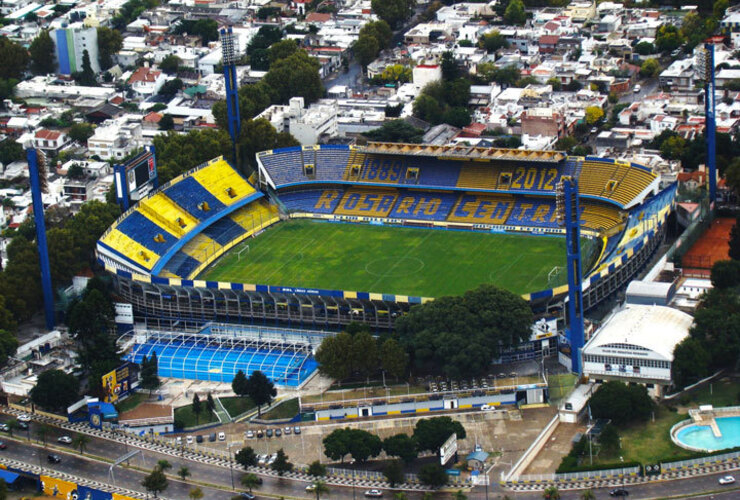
[[246, 457], [609, 439], [555, 83], [393, 472], [732, 176], [42, 54], [673, 147], [719, 8], [336, 444], [364, 354], [319, 488], [86, 77], [81, 132], [493, 41], [726, 274], [393, 12], [458, 336], [366, 50], [55, 390], [207, 29], [156, 482], [690, 362], [668, 38], [645, 48], [42, 432], [515, 13], [457, 117], [210, 404], [450, 71], [239, 384], [431, 433], [176, 153], [170, 88], [588, 495], [281, 50], [459, 495], [281, 464], [8, 345], [197, 407], [80, 442], [3, 490], [110, 42], [621, 403], [164, 465], [433, 474], [396, 131], [15, 59], [260, 389], [316, 469], [551, 493], [381, 31], [566, 143], [594, 114], [294, 76], [402, 446], [183, 472], [428, 109], [196, 493], [650, 68], [170, 64], [150, 373], [266, 37], [734, 252], [393, 358], [12, 425], [250, 481]]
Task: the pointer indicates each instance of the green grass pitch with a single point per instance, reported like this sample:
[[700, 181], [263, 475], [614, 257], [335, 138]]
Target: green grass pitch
[[404, 261]]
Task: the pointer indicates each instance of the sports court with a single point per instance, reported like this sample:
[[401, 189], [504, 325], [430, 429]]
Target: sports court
[[399, 260], [712, 246]]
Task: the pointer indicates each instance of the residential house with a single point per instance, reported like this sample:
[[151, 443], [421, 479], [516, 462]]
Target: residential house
[[146, 82], [50, 140]]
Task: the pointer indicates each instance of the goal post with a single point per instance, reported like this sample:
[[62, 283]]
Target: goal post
[[554, 273], [242, 251]]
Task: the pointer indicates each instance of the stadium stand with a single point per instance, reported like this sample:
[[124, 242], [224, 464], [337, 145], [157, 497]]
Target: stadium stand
[[599, 217], [165, 212], [331, 162], [199, 247], [223, 182], [423, 205], [129, 248], [193, 197], [478, 176], [223, 230], [281, 164], [367, 202], [620, 182], [255, 215], [482, 209], [319, 201], [181, 264], [140, 228], [533, 212]]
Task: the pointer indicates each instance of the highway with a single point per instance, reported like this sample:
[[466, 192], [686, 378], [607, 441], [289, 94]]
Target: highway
[[219, 479]]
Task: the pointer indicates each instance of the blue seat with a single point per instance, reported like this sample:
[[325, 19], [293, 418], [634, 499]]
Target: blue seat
[[223, 230], [423, 205], [181, 264], [190, 195], [533, 213], [142, 230], [284, 165], [321, 201]]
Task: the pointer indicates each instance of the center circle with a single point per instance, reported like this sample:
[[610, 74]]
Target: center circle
[[394, 267]]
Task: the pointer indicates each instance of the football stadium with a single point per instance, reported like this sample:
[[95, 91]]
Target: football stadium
[[320, 236]]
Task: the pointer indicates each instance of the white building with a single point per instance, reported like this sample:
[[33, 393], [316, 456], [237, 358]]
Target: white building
[[71, 43], [635, 345], [307, 125], [146, 81], [116, 139]]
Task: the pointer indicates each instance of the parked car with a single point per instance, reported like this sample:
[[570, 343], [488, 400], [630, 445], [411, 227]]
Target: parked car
[[64, 439], [24, 418], [287, 431], [268, 433], [374, 493], [189, 439], [726, 480], [261, 459], [4, 427], [248, 496], [278, 433], [54, 458], [296, 430], [260, 434], [199, 438], [2, 445], [23, 425], [212, 437], [487, 408], [619, 492], [311, 488], [637, 89], [249, 434], [222, 436], [178, 441]]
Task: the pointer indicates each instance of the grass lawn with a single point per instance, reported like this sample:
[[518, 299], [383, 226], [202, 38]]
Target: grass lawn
[[187, 417], [132, 401], [236, 405], [407, 261], [722, 392], [287, 409]]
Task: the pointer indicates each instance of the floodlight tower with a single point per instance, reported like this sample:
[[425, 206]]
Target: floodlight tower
[[569, 215], [228, 55], [705, 63], [37, 174]]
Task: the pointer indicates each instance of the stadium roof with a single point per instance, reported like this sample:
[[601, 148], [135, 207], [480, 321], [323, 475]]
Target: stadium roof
[[655, 328], [464, 152]]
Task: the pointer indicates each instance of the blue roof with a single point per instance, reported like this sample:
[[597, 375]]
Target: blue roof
[[481, 456], [7, 476]]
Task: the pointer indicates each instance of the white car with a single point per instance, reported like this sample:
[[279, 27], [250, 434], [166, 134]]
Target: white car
[[374, 493], [637, 89], [189, 439], [24, 418], [221, 436], [727, 480], [487, 408], [310, 488], [249, 434], [178, 441], [64, 439]]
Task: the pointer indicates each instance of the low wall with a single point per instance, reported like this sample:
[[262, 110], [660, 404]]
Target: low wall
[[534, 448]]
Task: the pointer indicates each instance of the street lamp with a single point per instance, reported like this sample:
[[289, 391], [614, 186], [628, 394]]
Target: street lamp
[[231, 466]]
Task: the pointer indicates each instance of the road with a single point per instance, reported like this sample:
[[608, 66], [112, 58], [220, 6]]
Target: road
[[646, 88]]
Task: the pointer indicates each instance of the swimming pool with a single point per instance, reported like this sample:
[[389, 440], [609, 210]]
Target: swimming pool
[[701, 437]]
